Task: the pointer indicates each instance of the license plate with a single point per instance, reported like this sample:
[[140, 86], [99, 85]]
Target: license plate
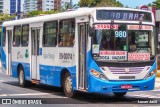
[[126, 86]]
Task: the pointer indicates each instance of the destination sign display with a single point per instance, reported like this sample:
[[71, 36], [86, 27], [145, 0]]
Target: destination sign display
[[123, 15]]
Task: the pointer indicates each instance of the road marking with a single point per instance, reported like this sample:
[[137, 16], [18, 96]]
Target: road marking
[[156, 90], [145, 96], [157, 85], [1, 80], [27, 94]]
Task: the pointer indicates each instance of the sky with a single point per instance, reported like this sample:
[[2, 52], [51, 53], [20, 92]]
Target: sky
[[129, 3]]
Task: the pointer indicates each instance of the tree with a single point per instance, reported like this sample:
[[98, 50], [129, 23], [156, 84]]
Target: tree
[[38, 12], [6, 17], [100, 3], [88, 3], [51, 12], [34, 13], [155, 3], [69, 6], [65, 7], [109, 3]]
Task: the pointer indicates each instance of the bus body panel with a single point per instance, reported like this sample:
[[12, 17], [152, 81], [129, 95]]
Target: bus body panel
[[3, 58], [51, 75], [102, 86], [26, 68]]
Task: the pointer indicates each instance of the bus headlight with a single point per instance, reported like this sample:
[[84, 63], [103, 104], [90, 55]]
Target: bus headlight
[[98, 74], [151, 73]]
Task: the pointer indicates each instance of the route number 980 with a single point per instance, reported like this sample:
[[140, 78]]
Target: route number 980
[[121, 34]]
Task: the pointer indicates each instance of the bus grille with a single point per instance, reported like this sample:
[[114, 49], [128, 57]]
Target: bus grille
[[128, 70]]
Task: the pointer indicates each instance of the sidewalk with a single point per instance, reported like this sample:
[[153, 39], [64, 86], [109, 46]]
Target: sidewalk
[[157, 82], [0, 64], [157, 79]]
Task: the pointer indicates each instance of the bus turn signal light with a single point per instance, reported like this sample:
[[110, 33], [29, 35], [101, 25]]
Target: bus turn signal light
[[98, 74], [151, 73]]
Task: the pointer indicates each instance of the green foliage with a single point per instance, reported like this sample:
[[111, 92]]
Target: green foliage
[[100, 3], [6, 17], [51, 12], [109, 3], [88, 3], [155, 3], [38, 12], [68, 6], [34, 13]]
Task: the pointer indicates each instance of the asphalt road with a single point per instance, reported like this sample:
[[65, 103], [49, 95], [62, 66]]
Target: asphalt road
[[9, 88]]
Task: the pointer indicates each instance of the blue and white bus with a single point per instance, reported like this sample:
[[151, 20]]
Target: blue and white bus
[[96, 50]]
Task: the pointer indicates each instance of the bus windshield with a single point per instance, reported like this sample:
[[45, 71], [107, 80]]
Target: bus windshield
[[123, 43]]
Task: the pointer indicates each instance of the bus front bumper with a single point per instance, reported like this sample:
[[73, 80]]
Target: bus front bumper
[[97, 85]]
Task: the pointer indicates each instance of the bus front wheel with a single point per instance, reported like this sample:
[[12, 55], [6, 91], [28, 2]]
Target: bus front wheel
[[120, 94], [67, 85], [21, 79]]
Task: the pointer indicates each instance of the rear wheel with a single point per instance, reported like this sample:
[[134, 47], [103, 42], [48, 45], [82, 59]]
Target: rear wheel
[[21, 79], [67, 86], [120, 94]]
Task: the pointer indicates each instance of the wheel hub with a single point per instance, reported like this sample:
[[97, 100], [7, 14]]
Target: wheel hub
[[21, 77], [68, 84]]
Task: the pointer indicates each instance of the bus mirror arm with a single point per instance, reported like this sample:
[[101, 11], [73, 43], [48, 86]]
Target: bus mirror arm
[[91, 31], [91, 28]]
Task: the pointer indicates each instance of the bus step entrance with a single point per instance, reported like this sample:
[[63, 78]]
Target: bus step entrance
[[35, 81], [82, 89]]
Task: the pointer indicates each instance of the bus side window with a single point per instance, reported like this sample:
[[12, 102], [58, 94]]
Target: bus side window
[[50, 34], [25, 35], [67, 33], [16, 36]]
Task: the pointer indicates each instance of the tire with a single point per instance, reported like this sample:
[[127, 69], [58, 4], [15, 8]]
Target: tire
[[21, 78], [120, 94], [67, 85]]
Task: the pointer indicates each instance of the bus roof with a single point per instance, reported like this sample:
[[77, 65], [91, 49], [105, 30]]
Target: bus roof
[[63, 15]]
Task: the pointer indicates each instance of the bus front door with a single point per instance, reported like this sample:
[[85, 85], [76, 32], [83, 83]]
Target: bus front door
[[9, 33], [35, 34], [82, 81]]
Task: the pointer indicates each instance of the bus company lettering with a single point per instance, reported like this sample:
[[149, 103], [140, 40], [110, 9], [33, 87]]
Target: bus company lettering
[[48, 56], [137, 27], [106, 26], [138, 56], [66, 56], [19, 55]]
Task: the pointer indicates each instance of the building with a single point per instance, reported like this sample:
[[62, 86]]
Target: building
[[47, 5], [13, 7], [158, 18], [39, 4], [44, 5], [1, 6], [54, 4], [30, 5], [57, 4], [64, 2]]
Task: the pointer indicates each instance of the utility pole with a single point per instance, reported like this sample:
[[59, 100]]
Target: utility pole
[[70, 4]]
